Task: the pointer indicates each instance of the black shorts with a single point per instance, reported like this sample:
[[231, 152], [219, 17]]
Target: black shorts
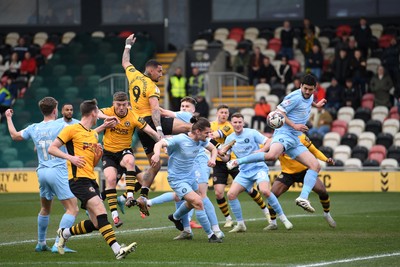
[[289, 179], [221, 172], [113, 159], [146, 140], [84, 189]]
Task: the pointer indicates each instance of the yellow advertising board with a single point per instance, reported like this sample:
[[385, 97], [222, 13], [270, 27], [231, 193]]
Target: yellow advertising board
[[24, 181]]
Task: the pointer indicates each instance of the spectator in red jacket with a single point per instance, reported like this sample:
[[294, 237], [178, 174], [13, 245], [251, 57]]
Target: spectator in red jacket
[[28, 65]]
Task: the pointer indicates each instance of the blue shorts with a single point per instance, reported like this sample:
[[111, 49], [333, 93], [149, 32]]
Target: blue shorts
[[201, 171], [54, 182], [291, 143], [182, 188], [247, 179]]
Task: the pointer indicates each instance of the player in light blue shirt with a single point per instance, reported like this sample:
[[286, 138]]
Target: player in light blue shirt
[[183, 150], [52, 171], [248, 141], [296, 108], [200, 170], [67, 111]]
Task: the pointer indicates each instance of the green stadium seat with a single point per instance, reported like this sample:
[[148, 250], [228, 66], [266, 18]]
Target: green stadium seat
[[19, 105], [15, 164], [41, 92], [59, 70], [88, 69], [93, 81], [5, 140], [111, 58], [104, 48], [9, 154], [116, 68], [64, 82], [71, 93]]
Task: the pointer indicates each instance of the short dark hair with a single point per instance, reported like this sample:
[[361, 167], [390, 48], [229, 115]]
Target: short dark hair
[[237, 115], [189, 99], [47, 105], [88, 106], [309, 79], [152, 63], [67, 104], [199, 123], [222, 106], [120, 96]]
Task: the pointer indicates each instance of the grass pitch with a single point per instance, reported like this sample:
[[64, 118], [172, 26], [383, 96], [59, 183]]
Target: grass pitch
[[367, 234]]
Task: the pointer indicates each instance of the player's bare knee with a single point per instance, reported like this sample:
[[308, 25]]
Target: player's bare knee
[[198, 204], [231, 196], [265, 192]]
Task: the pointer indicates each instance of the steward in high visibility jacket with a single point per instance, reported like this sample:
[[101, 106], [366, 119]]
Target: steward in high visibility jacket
[[177, 89]]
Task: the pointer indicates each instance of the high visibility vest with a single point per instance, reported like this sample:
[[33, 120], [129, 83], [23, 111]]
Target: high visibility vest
[[178, 86], [196, 84], [8, 98]]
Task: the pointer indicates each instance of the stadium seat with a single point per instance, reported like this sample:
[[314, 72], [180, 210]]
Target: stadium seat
[[64, 82], [12, 39], [221, 34], [384, 40], [380, 113], [16, 164], [356, 126], [370, 163], [272, 100], [363, 114], [331, 139], [236, 34], [377, 152], [124, 34], [342, 152], [394, 153], [366, 139], [339, 127], [269, 53], [67, 37], [372, 64], [295, 65], [324, 41], [262, 89], [247, 113], [345, 114], [368, 101], [261, 43], [353, 164], [5, 141], [349, 139], [59, 70], [389, 164], [391, 126], [230, 45], [376, 29], [9, 154], [394, 113], [251, 33], [200, 44], [374, 126], [360, 153], [385, 139], [343, 30], [88, 69], [275, 44], [327, 151], [98, 34], [279, 90], [316, 139], [71, 93], [40, 38]]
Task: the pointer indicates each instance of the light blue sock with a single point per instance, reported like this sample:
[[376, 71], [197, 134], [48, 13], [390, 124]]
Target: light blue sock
[[182, 210], [166, 197], [185, 218], [43, 222], [210, 211], [236, 209], [67, 221], [256, 157], [204, 222], [309, 182], [190, 214], [274, 203]]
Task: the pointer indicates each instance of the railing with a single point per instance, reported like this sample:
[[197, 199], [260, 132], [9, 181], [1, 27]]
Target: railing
[[219, 79], [112, 83]]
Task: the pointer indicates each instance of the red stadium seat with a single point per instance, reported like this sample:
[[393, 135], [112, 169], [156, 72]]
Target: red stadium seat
[[377, 152], [236, 34], [368, 101], [275, 44], [47, 49], [295, 65], [124, 34], [384, 40], [343, 30]]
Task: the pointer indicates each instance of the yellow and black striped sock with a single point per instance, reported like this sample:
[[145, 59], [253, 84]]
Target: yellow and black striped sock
[[82, 228], [111, 195], [272, 213], [256, 196], [106, 229], [144, 192], [223, 206], [131, 181], [325, 202]]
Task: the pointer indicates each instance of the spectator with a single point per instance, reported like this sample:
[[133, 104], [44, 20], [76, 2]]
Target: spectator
[[308, 42], [28, 65], [342, 44], [334, 95], [69, 17], [202, 106], [12, 66], [261, 111], [380, 85], [6, 99], [287, 35], [285, 73], [319, 93], [321, 123], [363, 34], [195, 84], [49, 19], [358, 69], [390, 60], [307, 27], [241, 61], [256, 61], [341, 66], [21, 48], [177, 89], [268, 72], [351, 96], [314, 61]]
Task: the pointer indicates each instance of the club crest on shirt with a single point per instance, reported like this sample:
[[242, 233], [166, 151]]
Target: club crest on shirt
[[247, 140], [226, 128], [127, 124]]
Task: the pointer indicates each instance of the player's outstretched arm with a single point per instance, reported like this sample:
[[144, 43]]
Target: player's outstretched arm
[[16, 136], [126, 55]]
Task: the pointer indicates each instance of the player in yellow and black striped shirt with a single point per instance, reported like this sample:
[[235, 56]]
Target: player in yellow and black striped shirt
[[294, 172], [118, 153], [84, 152]]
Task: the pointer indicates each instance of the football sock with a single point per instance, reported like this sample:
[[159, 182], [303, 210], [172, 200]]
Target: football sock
[[43, 223], [223, 206], [166, 197], [325, 202], [256, 196], [210, 211], [256, 157], [272, 212], [185, 218], [236, 209], [273, 201], [203, 220], [67, 221], [309, 181]]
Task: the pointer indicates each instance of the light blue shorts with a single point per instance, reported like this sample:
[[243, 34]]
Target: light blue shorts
[[201, 171], [291, 143], [54, 182], [247, 179], [182, 188]]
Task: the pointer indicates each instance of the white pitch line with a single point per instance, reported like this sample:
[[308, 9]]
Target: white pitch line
[[394, 254], [133, 231]]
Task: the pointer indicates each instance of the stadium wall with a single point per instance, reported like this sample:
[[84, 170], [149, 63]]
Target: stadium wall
[[25, 180]]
